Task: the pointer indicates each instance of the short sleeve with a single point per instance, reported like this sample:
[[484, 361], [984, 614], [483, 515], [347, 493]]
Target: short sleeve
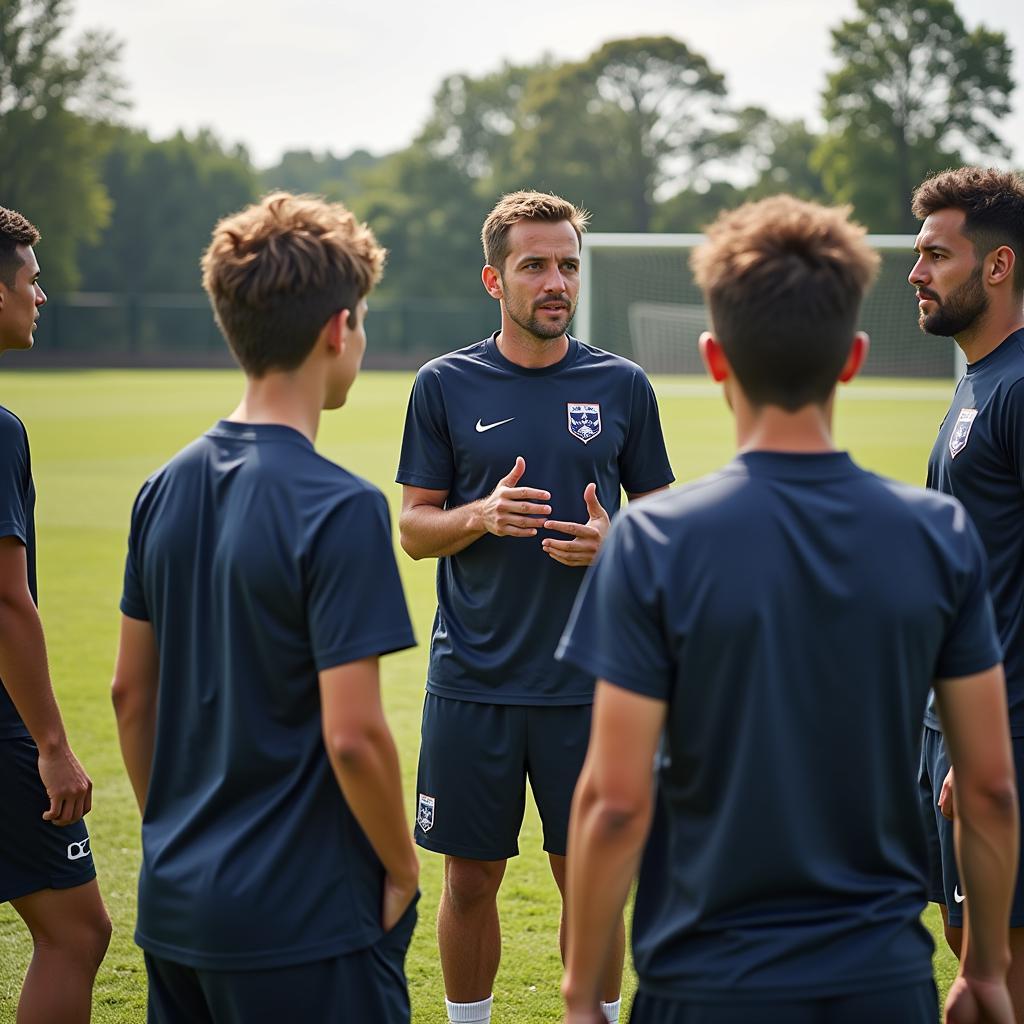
[[615, 631], [427, 459], [133, 598], [15, 474], [1012, 425], [643, 463], [971, 643], [355, 604]]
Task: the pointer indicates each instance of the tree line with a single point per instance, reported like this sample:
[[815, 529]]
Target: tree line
[[642, 132]]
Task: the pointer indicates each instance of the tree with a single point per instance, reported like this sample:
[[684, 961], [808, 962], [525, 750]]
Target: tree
[[53, 109], [915, 92], [337, 178]]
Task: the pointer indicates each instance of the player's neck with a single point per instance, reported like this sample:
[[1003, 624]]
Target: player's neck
[[526, 350], [773, 429], [284, 399], [989, 331]]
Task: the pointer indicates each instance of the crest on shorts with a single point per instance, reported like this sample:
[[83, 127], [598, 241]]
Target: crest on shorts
[[425, 812], [962, 431], [584, 420]]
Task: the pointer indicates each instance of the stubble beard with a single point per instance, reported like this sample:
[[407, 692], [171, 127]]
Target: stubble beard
[[960, 310], [541, 330]]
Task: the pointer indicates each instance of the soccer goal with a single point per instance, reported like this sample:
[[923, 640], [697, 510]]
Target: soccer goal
[[638, 298]]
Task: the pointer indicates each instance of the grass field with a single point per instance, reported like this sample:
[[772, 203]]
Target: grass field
[[95, 437]]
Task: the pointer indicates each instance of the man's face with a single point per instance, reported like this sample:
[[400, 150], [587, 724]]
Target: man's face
[[948, 276], [541, 279], [20, 303]]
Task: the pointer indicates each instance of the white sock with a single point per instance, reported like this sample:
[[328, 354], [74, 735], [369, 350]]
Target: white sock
[[611, 1011], [470, 1013]]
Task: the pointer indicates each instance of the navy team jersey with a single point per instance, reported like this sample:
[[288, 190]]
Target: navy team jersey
[[792, 610], [17, 519], [979, 458], [503, 602], [259, 564]]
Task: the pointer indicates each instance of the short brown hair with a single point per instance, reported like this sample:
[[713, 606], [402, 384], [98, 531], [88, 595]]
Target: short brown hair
[[277, 271], [513, 207], [15, 230], [784, 280], [993, 205]]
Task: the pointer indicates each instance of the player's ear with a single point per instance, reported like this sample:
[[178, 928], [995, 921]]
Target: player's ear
[[713, 358], [492, 282], [855, 360], [335, 331], [1001, 261]]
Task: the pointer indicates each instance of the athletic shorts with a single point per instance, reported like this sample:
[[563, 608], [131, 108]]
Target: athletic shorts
[[365, 985], [474, 762], [35, 854], [943, 878], [912, 1004]]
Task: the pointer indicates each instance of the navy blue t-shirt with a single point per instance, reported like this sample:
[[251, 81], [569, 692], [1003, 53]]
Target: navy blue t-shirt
[[792, 610], [17, 519], [503, 602], [259, 564], [979, 458]]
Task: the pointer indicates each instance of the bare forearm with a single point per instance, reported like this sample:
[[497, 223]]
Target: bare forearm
[[24, 670], [136, 732], [369, 776], [431, 532]]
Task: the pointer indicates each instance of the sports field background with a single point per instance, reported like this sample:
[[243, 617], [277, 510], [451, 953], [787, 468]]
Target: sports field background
[[96, 435]]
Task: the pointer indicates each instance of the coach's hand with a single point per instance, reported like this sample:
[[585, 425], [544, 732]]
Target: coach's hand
[[973, 1001], [511, 511], [946, 802], [67, 786], [398, 894], [588, 536]]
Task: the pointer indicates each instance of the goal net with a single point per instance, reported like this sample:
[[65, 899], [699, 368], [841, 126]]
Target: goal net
[[638, 298]]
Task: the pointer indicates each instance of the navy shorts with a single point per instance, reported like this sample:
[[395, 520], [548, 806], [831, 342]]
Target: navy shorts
[[943, 877], [474, 762], [365, 985], [35, 854], [912, 1004]]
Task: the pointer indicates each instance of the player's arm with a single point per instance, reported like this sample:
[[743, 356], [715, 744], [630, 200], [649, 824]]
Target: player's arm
[[611, 813], [588, 536], [26, 677], [365, 762], [134, 693], [976, 732], [429, 530]]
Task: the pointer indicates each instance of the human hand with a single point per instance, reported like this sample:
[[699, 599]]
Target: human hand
[[511, 511], [583, 549], [67, 786], [946, 802], [398, 894], [976, 1001]]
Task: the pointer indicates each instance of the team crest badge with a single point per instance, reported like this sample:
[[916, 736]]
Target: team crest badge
[[425, 812], [962, 431], [584, 420]]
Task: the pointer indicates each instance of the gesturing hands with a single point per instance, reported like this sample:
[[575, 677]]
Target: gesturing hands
[[582, 550], [511, 511]]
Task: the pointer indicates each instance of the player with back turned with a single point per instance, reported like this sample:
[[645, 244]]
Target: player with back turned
[[770, 634], [46, 865], [514, 454], [279, 876], [969, 279]]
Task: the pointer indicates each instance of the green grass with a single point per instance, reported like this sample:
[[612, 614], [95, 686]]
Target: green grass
[[96, 435]]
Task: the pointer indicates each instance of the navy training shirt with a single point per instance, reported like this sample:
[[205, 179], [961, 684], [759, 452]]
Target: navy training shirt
[[792, 610], [503, 602], [17, 519], [978, 457], [259, 564]]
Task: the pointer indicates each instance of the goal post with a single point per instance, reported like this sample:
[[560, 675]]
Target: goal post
[[638, 298]]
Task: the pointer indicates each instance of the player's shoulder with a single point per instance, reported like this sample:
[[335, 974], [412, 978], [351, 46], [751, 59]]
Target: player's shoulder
[[457, 361], [931, 510], [591, 355], [12, 430]]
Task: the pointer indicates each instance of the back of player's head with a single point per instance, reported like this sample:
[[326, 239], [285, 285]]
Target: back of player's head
[[513, 207], [784, 280], [278, 270], [993, 205], [15, 230]]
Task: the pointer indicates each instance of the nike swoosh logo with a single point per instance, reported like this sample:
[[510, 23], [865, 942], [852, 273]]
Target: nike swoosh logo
[[956, 894], [480, 428]]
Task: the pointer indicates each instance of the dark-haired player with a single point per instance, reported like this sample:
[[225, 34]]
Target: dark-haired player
[[969, 279], [46, 865], [278, 874], [510, 445], [775, 629]]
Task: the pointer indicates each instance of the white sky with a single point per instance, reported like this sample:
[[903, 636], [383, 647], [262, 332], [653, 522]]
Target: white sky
[[333, 74]]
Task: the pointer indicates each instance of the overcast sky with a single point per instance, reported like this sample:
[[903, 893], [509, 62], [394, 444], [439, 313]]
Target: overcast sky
[[332, 74]]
